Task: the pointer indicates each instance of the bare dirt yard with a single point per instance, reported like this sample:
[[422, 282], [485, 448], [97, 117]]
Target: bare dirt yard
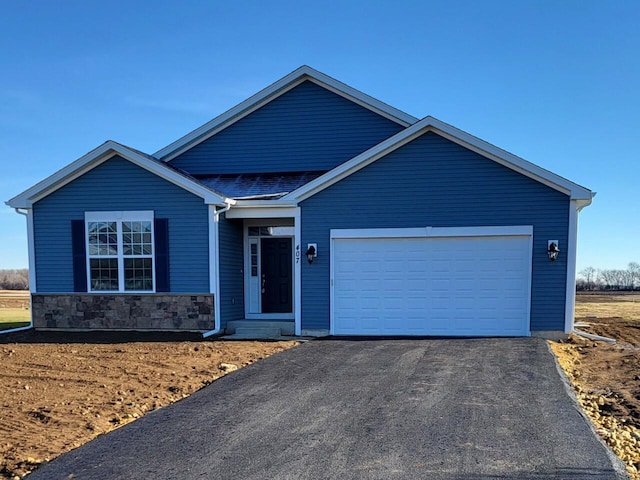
[[606, 376], [58, 391]]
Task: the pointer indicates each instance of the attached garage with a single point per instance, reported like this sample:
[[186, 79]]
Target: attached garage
[[472, 281]]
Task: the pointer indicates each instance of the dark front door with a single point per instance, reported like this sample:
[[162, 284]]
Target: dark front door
[[277, 275]]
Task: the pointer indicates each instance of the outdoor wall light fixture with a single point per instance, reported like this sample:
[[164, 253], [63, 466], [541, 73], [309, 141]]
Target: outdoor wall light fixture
[[553, 250], [312, 252]]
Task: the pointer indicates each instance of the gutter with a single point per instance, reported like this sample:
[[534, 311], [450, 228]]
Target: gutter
[[20, 329], [216, 254]]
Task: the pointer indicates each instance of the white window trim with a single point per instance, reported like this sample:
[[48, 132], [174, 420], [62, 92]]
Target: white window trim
[[119, 217]]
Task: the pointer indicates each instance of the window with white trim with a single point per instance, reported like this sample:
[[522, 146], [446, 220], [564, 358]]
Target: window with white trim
[[120, 251]]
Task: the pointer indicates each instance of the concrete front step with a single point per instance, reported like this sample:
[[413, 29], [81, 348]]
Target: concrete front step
[[257, 333], [286, 327], [261, 332]]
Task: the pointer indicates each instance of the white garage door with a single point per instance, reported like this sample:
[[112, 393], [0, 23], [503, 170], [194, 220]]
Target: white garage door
[[432, 285]]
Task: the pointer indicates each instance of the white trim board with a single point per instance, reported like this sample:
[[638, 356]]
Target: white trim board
[[571, 253], [431, 124], [31, 243], [252, 299], [268, 211], [272, 92], [100, 155], [433, 232], [119, 217]]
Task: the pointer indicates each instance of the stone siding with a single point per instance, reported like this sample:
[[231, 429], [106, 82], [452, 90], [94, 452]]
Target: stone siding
[[123, 312]]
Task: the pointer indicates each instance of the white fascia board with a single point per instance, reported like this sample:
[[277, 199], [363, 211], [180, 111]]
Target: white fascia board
[[427, 124], [356, 163], [98, 156], [272, 211], [359, 97], [272, 92], [509, 160]]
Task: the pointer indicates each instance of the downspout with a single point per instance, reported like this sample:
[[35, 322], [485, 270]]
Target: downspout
[[591, 336], [216, 256], [19, 329]]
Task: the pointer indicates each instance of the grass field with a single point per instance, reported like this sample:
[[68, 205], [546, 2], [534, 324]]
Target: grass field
[[13, 318], [14, 309]]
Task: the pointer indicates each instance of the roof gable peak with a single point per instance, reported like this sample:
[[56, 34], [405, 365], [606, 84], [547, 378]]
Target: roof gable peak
[[97, 156], [270, 93]]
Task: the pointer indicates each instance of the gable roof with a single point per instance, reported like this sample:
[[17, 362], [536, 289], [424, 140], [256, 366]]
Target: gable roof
[[272, 92], [431, 124], [103, 153]]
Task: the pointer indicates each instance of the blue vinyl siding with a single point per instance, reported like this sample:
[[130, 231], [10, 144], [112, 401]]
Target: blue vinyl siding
[[306, 129], [231, 268], [116, 185], [433, 181]]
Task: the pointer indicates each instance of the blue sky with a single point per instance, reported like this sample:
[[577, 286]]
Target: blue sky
[[557, 83]]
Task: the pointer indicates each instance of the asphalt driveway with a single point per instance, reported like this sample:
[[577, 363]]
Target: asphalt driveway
[[363, 409]]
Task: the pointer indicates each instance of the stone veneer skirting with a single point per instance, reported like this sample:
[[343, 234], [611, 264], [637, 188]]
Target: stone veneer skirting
[[156, 311]]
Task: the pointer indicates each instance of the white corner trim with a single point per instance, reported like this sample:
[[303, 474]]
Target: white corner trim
[[572, 252], [431, 124], [31, 242], [100, 155], [297, 258], [272, 92], [434, 232]]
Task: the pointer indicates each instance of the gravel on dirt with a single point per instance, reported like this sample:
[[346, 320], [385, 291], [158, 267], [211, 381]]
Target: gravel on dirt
[[606, 376]]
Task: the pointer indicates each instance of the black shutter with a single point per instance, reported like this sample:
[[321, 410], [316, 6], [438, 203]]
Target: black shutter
[[79, 256], [161, 246]]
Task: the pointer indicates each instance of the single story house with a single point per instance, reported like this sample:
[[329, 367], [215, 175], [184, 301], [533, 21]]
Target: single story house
[[313, 208]]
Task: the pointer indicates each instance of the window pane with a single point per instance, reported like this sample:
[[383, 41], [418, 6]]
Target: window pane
[[134, 241], [103, 239], [254, 231], [138, 274], [104, 274]]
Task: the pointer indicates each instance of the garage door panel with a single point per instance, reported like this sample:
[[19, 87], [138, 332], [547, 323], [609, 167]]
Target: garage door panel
[[431, 286]]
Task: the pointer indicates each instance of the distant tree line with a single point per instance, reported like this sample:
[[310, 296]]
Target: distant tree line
[[609, 279], [14, 279]]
